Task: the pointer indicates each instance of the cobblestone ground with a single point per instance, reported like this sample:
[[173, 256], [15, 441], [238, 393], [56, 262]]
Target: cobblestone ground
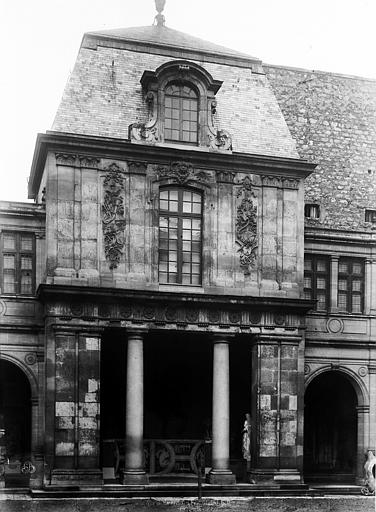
[[327, 504]]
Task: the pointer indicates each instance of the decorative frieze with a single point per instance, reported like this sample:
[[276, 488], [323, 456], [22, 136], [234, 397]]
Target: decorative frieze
[[225, 177], [246, 225], [165, 314], [113, 215], [182, 173]]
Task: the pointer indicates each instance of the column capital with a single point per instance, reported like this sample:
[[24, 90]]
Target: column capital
[[222, 338], [136, 331], [334, 257], [362, 409]]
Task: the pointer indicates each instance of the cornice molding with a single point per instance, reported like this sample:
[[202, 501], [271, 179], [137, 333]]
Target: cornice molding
[[120, 149]]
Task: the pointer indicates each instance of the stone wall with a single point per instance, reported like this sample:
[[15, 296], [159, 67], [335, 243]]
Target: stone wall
[[252, 226], [333, 121]]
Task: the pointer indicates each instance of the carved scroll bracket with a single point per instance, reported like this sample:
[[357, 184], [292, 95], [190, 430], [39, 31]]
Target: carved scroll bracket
[[218, 139], [146, 132], [246, 225], [113, 214]]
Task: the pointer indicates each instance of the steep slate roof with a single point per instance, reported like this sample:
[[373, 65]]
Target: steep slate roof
[[104, 94], [168, 37]]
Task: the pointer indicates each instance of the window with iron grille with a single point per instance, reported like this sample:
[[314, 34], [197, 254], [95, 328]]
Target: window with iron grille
[[350, 285], [180, 234], [181, 114], [17, 263], [316, 280]]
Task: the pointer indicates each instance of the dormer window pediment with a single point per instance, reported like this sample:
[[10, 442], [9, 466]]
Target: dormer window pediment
[[182, 105]]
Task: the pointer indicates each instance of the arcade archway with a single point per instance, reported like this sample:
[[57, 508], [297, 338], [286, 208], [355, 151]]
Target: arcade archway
[[330, 429], [15, 412]]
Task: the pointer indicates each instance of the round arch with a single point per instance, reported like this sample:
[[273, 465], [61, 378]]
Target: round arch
[[333, 428], [24, 368], [16, 388], [354, 379]]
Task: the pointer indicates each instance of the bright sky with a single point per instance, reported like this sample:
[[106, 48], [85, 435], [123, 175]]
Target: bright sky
[[39, 41]]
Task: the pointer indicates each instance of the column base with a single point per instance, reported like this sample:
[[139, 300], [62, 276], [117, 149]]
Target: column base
[[135, 477], [221, 477]]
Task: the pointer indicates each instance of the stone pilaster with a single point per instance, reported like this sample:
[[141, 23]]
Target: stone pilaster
[[134, 472], [76, 409], [276, 411], [220, 472]]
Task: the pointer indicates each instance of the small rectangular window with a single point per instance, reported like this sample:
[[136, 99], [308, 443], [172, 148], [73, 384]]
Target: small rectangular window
[[351, 285], [17, 263], [370, 216], [312, 211], [316, 280]]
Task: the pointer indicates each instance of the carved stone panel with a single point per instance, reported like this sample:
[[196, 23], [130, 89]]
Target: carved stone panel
[[113, 215], [246, 225], [182, 173]]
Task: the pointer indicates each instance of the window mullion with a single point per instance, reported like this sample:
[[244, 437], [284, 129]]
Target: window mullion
[[180, 249]]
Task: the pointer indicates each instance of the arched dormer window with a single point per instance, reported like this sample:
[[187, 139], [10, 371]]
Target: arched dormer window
[[181, 113], [182, 105]]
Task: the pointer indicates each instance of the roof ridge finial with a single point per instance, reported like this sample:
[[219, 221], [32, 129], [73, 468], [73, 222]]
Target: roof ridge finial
[[160, 19]]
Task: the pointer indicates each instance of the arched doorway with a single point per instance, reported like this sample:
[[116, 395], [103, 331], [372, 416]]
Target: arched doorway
[[15, 412], [330, 429]]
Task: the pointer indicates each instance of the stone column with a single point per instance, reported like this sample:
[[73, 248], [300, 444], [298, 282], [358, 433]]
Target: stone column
[[334, 284], [134, 473], [220, 472]]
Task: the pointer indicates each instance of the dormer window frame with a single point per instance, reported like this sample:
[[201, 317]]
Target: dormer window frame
[[154, 85]]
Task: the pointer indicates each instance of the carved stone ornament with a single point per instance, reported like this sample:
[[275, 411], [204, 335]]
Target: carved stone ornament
[[182, 172], [218, 139], [30, 358], [113, 215], [222, 141], [246, 225], [65, 159], [146, 132], [89, 161]]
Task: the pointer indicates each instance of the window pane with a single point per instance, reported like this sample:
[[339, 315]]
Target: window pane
[[187, 196], [357, 268], [9, 282], [342, 267], [187, 223], [26, 284], [196, 279], [307, 264], [321, 283], [162, 277], [26, 243], [9, 241], [163, 222], [321, 304], [26, 262], [172, 278], [173, 195], [186, 279], [173, 206], [196, 208], [9, 261], [186, 245], [356, 285], [342, 301], [342, 284], [356, 304], [187, 207], [307, 295], [307, 282], [163, 205], [173, 222], [321, 265]]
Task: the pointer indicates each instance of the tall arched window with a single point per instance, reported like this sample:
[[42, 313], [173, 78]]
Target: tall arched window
[[181, 114], [180, 227]]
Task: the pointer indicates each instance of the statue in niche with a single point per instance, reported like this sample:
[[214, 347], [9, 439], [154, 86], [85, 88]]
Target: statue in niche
[[369, 474]]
